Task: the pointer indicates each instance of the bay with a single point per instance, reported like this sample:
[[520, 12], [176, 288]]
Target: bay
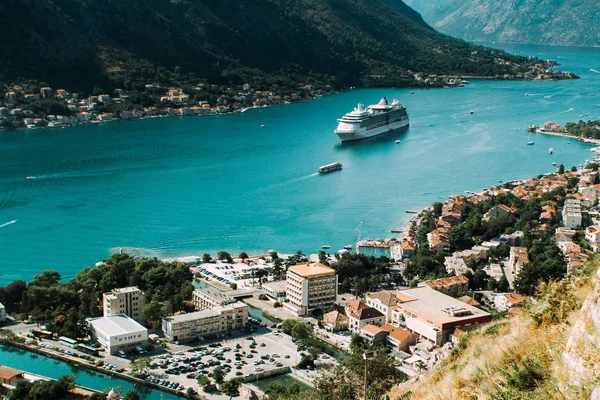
[[179, 186]]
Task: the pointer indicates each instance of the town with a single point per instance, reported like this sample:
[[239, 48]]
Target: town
[[457, 266]]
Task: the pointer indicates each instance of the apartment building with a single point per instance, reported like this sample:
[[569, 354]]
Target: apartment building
[[205, 323], [572, 213], [518, 258], [129, 301], [433, 315], [310, 287], [210, 297]]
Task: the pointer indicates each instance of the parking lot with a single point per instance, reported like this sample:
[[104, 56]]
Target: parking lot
[[239, 357]]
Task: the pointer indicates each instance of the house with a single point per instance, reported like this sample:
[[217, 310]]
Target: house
[[469, 300], [335, 321], [456, 265], [451, 286], [518, 258], [400, 339], [437, 239], [408, 248], [9, 376], [2, 312], [353, 306], [365, 316], [512, 239], [505, 301], [499, 211], [383, 301], [374, 334], [592, 234], [434, 316]]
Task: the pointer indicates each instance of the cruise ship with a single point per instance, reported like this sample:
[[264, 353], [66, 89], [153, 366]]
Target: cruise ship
[[376, 119]]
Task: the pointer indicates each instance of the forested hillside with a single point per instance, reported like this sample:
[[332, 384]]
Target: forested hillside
[[82, 44]]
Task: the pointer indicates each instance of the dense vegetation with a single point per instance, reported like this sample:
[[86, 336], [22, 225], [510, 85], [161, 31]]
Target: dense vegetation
[[589, 129], [95, 46], [552, 22], [64, 306]]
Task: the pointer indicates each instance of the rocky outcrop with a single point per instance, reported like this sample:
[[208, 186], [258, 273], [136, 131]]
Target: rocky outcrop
[[582, 355]]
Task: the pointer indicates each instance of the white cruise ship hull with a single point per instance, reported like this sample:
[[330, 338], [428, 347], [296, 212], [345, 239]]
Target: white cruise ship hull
[[355, 133]]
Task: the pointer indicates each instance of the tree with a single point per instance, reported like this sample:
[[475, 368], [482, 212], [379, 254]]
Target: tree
[[288, 325], [232, 387], [301, 331], [153, 314], [358, 344], [206, 258], [140, 366], [503, 285], [223, 255], [219, 374], [203, 380], [132, 395], [243, 255], [561, 169]]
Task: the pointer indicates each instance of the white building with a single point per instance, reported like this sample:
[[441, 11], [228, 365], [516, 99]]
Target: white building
[[592, 234], [383, 301], [210, 297], [365, 316], [2, 312], [572, 213], [118, 332], [518, 258], [275, 289], [505, 301], [205, 323], [129, 301], [310, 287], [458, 265]]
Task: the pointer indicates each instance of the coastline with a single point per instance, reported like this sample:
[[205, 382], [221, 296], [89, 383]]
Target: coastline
[[566, 135]]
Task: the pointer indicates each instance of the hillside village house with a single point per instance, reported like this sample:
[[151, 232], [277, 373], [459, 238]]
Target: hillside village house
[[353, 306], [499, 211], [592, 234], [400, 339], [452, 285], [505, 301], [375, 334], [437, 239], [433, 315], [518, 258], [456, 265]]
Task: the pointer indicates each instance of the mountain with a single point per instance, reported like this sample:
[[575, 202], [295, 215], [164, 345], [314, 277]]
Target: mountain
[[423, 6], [82, 44], [551, 22]]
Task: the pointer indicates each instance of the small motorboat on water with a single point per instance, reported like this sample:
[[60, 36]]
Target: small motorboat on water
[[412, 92], [530, 143], [550, 150], [348, 247], [397, 141], [472, 112], [554, 163], [326, 246]]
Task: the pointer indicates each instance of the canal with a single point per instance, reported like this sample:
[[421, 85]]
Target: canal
[[51, 368]]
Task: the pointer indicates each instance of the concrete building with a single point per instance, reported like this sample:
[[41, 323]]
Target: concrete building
[[375, 334], [205, 323], [433, 315], [335, 321], [210, 297], [572, 213], [365, 316], [456, 265], [499, 211], [400, 339], [518, 258], [592, 234], [129, 301], [310, 287], [118, 332], [275, 289], [2, 312], [383, 301]]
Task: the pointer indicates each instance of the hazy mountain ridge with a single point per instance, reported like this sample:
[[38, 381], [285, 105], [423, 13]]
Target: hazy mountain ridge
[[550, 22]]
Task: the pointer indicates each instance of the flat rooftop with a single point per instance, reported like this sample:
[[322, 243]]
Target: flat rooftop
[[432, 304], [213, 312], [312, 270], [277, 286], [116, 325]]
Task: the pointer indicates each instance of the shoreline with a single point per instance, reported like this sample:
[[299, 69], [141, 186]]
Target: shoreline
[[566, 135]]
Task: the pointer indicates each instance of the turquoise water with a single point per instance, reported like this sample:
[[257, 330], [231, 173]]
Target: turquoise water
[[51, 368], [181, 186]]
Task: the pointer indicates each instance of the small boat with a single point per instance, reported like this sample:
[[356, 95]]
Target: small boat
[[530, 143], [531, 128], [397, 141], [464, 82], [30, 177], [326, 246], [412, 92], [348, 247], [526, 94], [550, 150], [330, 167], [546, 97], [554, 163], [500, 180], [472, 112], [262, 125]]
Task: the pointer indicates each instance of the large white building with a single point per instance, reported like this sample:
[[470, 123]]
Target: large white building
[[2, 312], [205, 323], [210, 297], [118, 332], [310, 287], [572, 213], [129, 301]]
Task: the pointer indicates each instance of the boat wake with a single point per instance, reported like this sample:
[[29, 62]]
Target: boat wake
[[8, 223], [594, 70]]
